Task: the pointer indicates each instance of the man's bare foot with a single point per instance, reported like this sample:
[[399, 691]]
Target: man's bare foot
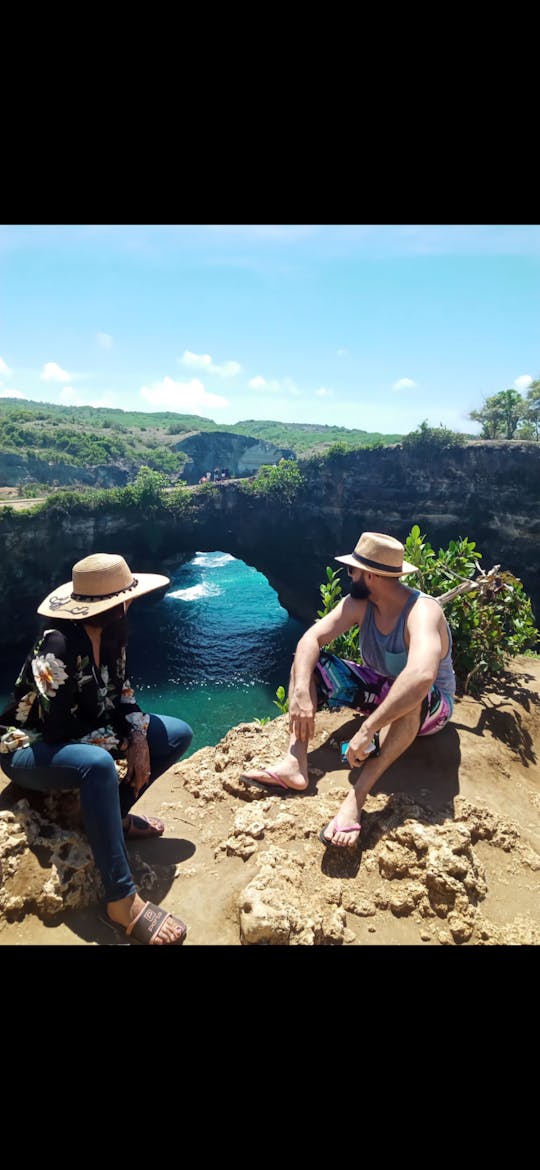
[[288, 771], [125, 910], [340, 830]]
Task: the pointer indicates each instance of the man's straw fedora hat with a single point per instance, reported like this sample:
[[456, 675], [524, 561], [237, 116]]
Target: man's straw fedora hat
[[100, 582], [379, 554]]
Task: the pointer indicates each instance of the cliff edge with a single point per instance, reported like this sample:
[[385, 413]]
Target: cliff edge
[[450, 843]]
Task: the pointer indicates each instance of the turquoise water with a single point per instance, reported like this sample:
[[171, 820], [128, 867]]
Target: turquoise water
[[212, 651]]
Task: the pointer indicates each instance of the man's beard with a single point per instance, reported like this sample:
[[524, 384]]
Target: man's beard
[[360, 591]]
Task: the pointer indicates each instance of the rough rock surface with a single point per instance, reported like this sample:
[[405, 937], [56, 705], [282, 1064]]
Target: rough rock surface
[[450, 844]]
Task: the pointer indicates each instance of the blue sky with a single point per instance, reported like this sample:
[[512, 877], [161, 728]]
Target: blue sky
[[369, 326]]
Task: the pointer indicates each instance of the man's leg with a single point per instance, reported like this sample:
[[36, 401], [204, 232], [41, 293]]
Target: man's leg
[[292, 768], [395, 738]]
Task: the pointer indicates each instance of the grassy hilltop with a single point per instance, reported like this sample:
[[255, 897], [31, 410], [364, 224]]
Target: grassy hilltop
[[87, 435]]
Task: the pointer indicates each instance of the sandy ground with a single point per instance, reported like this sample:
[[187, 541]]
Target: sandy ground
[[449, 856]]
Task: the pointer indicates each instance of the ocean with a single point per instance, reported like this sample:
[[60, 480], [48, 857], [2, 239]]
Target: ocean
[[212, 651]]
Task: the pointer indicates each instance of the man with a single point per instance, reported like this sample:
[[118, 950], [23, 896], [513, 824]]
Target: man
[[405, 687], [73, 712]]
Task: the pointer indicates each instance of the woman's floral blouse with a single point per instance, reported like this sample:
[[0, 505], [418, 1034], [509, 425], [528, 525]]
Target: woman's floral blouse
[[61, 696]]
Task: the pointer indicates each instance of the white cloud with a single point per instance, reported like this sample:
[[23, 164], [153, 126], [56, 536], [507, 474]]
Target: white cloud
[[187, 397], [322, 392], [403, 384], [286, 386], [341, 352], [104, 340], [203, 361], [12, 394], [4, 369], [52, 372], [104, 402], [523, 382]]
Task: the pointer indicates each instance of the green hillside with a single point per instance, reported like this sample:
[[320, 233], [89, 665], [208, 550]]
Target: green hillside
[[87, 435]]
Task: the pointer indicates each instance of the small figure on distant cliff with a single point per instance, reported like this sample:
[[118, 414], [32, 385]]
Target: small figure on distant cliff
[[405, 687], [74, 711]]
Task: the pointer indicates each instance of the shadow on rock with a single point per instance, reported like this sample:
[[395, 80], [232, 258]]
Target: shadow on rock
[[154, 865], [506, 727]]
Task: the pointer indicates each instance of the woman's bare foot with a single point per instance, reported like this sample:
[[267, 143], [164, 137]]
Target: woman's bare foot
[[126, 909]]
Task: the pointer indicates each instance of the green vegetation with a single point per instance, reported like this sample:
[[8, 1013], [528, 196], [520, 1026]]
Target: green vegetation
[[281, 483], [281, 701], [301, 437], [84, 439], [509, 415], [85, 435], [490, 624], [435, 439]]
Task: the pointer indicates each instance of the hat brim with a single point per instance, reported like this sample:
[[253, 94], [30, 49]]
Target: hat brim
[[60, 602], [357, 564]]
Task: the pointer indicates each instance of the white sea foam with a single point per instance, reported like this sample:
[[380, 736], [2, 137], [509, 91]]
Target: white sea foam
[[195, 593], [215, 560]]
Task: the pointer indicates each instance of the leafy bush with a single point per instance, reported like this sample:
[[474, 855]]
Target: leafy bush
[[433, 438], [282, 483], [345, 645], [488, 627]]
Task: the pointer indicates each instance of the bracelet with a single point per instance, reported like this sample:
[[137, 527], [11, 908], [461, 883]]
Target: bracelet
[[137, 731]]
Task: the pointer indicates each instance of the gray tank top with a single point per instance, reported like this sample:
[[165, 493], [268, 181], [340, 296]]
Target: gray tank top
[[387, 653]]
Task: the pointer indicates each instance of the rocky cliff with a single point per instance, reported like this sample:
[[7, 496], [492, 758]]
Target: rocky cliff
[[241, 454], [25, 469], [488, 491]]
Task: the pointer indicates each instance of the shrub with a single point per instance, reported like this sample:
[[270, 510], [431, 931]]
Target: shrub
[[281, 483]]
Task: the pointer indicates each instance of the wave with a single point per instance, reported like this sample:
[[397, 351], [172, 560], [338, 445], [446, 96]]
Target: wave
[[195, 593], [212, 560]]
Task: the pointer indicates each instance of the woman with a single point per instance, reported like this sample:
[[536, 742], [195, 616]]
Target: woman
[[73, 712]]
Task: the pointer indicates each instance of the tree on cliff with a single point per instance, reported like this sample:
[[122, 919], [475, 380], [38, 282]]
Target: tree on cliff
[[508, 415]]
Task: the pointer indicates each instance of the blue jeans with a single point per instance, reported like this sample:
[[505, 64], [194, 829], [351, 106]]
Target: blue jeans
[[104, 802]]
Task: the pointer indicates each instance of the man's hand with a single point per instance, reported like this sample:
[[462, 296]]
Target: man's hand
[[360, 747], [138, 762], [301, 716]]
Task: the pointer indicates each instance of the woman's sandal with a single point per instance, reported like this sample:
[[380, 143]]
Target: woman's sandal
[[148, 923], [139, 826]]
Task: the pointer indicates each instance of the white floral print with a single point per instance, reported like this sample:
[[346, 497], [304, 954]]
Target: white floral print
[[128, 694], [138, 720], [23, 709], [102, 737], [49, 673]]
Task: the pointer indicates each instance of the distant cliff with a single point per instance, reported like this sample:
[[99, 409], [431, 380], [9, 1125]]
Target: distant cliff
[[241, 454], [487, 491], [204, 450], [18, 469]]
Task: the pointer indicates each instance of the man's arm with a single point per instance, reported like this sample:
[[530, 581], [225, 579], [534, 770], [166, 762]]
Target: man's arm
[[417, 677], [301, 709]]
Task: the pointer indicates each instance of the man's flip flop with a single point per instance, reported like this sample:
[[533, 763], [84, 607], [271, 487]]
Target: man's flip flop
[[278, 786], [147, 925], [139, 826], [338, 829]]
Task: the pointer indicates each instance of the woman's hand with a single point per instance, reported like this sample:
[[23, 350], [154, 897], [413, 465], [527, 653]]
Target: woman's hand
[[138, 761]]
